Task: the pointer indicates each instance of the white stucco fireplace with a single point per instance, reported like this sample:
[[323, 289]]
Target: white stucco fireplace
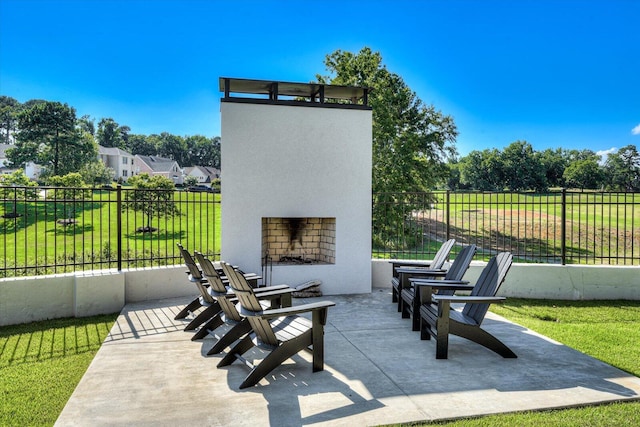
[[296, 182]]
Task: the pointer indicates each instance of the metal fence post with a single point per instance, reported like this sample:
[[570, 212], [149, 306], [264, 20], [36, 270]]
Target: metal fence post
[[447, 207], [563, 228], [119, 225]]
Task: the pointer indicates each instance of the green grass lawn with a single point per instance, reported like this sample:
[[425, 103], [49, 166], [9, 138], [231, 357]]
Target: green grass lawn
[[37, 240], [606, 330], [41, 363]]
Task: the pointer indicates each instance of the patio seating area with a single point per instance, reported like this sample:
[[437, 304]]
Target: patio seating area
[[376, 371]]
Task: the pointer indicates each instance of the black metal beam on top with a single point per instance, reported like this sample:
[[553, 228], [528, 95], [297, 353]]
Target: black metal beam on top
[[294, 93]]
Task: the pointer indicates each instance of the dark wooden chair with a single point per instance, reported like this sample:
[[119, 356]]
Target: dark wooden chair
[[439, 320], [282, 332], [211, 306], [402, 270], [270, 297], [411, 298], [203, 299], [194, 275]]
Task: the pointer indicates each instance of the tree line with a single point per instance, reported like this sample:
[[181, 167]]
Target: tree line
[[51, 135], [518, 167], [413, 143]]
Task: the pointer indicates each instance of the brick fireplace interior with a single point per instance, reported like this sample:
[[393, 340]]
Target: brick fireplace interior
[[293, 241]]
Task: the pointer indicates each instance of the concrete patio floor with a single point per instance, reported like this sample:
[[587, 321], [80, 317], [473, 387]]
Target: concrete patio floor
[[377, 371]]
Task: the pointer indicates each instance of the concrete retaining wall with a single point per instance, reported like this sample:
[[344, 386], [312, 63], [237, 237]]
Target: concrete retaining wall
[[549, 281], [30, 299]]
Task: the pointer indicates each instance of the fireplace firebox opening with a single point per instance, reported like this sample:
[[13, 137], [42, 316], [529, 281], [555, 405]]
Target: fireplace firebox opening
[[295, 241]]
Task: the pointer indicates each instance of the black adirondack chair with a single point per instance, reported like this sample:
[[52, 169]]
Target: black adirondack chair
[[280, 332], [403, 270], [270, 297], [195, 276], [203, 300], [411, 298], [439, 320]]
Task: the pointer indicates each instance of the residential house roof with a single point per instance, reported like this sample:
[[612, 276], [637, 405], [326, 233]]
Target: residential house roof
[[157, 163], [112, 151], [209, 172]]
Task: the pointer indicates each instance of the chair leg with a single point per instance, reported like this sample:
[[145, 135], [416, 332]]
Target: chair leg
[[238, 330], [212, 324], [191, 307], [484, 338], [275, 359], [239, 349], [204, 315], [442, 335]]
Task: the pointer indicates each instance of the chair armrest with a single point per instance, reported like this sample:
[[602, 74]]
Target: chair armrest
[[397, 264], [445, 286], [276, 293], [271, 288], [422, 270], [437, 283], [467, 299], [298, 309]]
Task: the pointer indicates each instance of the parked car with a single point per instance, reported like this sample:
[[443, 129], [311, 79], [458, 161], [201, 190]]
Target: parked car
[[199, 188]]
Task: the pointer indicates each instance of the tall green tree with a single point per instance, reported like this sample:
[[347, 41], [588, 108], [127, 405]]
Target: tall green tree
[[202, 151], [554, 163], [152, 196], [9, 109], [522, 168], [411, 140], [141, 144], [482, 170], [87, 124], [173, 147], [623, 169], [583, 174], [48, 136], [109, 133]]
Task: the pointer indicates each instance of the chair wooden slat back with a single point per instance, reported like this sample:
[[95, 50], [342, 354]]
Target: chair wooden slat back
[[488, 284], [442, 255], [196, 274], [250, 304], [219, 290], [190, 263], [461, 263], [210, 273]]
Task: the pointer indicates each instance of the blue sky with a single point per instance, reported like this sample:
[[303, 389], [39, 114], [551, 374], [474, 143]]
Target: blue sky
[[562, 73]]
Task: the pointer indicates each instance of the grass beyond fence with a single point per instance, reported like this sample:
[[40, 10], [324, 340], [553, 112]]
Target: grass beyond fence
[[52, 232], [55, 230], [565, 227]]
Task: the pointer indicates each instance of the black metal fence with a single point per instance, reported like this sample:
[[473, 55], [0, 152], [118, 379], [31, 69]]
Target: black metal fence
[[48, 230], [54, 230], [564, 227]]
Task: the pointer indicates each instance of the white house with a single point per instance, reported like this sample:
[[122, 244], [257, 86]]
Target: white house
[[156, 165], [31, 169], [204, 174], [119, 160]]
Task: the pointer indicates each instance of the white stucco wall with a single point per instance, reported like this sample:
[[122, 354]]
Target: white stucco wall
[[290, 161], [29, 299], [548, 281]]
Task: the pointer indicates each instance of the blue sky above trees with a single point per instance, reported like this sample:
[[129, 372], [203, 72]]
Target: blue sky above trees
[[556, 73]]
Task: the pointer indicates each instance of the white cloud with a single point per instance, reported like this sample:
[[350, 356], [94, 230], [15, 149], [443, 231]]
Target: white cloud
[[636, 130], [604, 154]]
